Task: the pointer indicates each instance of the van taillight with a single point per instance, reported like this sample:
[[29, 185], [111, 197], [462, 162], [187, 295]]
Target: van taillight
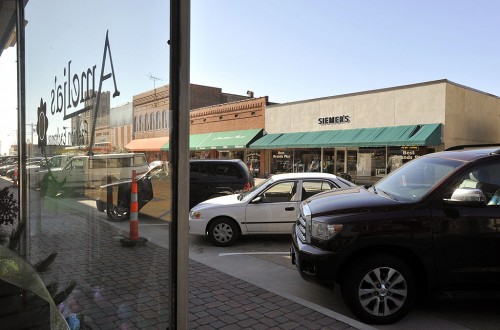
[[247, 186]]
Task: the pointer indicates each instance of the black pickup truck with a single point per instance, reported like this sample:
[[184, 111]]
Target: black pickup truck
[[433, 224]]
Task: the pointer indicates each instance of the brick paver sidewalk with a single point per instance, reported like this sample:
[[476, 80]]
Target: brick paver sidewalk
[[127, 288]]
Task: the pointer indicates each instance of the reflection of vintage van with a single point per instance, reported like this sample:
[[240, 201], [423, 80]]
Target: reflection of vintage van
[[88, 172], [36, 173]]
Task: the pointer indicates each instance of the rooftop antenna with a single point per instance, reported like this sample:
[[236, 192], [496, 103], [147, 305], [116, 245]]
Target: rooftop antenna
[[151, 77]]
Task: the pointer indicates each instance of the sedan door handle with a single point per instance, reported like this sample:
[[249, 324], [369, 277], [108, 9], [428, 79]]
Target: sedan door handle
[[291, 208]]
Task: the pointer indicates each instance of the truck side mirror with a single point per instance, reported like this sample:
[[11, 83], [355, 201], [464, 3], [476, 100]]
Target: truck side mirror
[[472, 197]]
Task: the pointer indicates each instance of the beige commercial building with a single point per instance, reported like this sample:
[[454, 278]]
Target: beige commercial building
[[364, 135]]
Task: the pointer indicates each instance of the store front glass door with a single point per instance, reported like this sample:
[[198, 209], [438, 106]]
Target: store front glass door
[[92, 68], [339, 161]]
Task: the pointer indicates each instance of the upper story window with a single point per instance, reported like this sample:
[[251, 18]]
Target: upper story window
[[141, 123], [151, 121], [165, 121]]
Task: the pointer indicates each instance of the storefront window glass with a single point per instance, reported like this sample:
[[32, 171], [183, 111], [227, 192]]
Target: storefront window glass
[[329, 161], [85, 63], [307, 160], [371, 165], [281, 161]]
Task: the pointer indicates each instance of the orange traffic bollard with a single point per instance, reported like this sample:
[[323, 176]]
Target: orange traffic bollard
[[134, 216], [134, 210]]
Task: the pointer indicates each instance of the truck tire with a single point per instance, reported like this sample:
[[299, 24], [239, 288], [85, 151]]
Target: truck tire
[[118, 212], [379, 289]]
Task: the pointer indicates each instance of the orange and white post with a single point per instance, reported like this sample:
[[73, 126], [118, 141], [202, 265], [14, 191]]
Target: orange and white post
[[134, 238], [134, 210]]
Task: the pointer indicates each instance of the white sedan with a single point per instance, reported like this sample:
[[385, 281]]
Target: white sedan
[[269, 208]]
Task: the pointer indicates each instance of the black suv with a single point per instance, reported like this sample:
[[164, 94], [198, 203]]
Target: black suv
[[433, 224], [209, 178]]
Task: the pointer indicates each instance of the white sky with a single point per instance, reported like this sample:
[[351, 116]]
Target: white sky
[[288, 50]]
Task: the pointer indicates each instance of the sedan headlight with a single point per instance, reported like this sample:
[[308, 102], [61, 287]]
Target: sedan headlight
[[324, 231], [194, 215]]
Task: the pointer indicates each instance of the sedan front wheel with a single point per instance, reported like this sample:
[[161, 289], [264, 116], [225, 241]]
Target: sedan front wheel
[[223, 232]]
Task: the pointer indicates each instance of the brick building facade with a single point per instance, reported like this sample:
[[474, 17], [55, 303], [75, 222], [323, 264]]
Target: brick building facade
[[212, 111], [151, 108]]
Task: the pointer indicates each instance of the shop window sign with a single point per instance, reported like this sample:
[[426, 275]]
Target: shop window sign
[[410, 153], [281, 155], [73, 90]]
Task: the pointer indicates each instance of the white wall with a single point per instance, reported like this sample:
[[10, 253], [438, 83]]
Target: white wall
[[409, 105]]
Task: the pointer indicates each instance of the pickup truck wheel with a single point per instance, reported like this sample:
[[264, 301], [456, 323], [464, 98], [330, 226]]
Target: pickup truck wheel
[[223, 232], [379, 290], [118, 212]]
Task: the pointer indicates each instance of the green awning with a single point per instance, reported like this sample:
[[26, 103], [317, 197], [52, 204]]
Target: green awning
[[408, 135], [227, 140], [197, 139], [222, 140]]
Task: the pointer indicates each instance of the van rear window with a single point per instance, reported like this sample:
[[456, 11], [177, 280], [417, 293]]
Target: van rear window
[[228, 170]]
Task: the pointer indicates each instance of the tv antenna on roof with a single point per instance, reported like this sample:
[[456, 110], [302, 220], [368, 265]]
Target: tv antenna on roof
[[154, 79], [151, 77]]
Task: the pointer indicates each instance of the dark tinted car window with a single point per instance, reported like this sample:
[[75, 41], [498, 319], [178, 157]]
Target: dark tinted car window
[[226, 171], [199, 170]]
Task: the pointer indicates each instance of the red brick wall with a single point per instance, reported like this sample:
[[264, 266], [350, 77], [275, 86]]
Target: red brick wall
[[214, 111], [247, 114]]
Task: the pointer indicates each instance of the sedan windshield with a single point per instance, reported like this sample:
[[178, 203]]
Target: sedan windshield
[[415, 179]]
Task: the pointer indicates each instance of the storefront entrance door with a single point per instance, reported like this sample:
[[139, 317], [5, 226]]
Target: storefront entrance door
[[339, 161]]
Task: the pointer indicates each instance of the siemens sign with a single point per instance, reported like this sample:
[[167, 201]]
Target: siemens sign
[[334, 120]]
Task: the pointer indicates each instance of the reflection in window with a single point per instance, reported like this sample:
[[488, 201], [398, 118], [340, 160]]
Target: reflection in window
[[164, 114]]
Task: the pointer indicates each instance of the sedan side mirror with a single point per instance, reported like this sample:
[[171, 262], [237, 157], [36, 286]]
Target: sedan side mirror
[[256, 200]]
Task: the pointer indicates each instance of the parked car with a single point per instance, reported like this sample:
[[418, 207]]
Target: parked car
[[208, 179], [433, 224], [8, 165], [269, 208], [211, 178], [30, 163]]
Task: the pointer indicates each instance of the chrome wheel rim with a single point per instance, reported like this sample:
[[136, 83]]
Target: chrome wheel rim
[[223, 232], [382, 291]]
